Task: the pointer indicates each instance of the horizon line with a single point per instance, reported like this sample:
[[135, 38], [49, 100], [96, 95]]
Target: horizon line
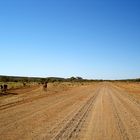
[[70, 77]]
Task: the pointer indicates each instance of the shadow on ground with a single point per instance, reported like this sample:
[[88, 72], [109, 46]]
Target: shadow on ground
[[7, 93]]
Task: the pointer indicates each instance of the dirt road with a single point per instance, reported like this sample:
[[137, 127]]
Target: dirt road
[[100, 111]]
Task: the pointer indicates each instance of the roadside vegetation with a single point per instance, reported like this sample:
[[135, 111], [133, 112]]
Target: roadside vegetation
[[14, 82]]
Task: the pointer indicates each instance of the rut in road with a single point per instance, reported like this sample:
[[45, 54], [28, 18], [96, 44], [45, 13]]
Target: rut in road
[[121, 127], [111, 118], [47, 112], [74, 125], [101, 112], [129, 123], [22, 101]]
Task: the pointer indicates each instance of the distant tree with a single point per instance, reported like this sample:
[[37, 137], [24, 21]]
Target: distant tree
[[5, 79], [72, 79], [43, 80], [25, 80], [79, 78]]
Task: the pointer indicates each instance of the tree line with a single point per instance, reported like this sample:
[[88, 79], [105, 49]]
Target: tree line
[[55, 79], [38, 79]]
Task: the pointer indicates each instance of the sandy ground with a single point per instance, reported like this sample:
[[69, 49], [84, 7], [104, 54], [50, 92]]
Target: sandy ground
[[98, 111]]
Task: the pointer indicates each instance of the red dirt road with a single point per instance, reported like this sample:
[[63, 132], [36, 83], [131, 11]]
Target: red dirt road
[[101, 111]]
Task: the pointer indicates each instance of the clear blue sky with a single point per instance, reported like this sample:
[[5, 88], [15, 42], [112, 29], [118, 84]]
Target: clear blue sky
[[88, 38]]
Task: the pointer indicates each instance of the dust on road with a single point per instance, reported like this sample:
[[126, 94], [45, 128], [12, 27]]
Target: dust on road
[[101, 111]]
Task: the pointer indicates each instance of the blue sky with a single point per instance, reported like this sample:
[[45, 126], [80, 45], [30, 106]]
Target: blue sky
[[95, 39]]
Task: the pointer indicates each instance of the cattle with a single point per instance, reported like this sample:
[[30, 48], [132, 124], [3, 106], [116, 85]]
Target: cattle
[[45, 86], [24, 84], [1, 88], [5, 87]]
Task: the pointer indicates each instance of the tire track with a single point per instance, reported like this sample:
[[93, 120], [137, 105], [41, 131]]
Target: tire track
[[120, 124], [131, 98], [50, 105], [74, 125], [22, 101], [128, 104], [131, 123], [27, 100], [58, 100]]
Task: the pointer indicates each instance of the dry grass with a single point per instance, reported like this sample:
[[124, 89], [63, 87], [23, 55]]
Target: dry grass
[[132, 88]]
